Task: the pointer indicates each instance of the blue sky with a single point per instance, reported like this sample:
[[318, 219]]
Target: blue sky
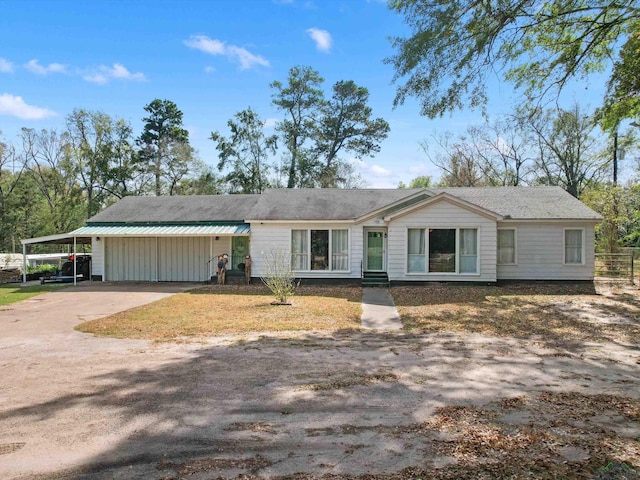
[[213, 59]]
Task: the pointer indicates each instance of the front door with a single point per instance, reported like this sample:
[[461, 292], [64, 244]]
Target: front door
[[375, 259]]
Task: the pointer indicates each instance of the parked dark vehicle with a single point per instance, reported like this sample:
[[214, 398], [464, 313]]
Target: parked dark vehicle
[[83, 270]]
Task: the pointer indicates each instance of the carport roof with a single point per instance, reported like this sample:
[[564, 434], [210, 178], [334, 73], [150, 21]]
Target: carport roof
[[60, 239], [163, 230]]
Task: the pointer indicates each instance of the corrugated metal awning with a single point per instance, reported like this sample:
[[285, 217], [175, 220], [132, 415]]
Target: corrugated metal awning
[[163, 230]]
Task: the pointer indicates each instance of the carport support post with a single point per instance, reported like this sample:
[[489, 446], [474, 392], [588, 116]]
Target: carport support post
[[75, 262], [24, 263]]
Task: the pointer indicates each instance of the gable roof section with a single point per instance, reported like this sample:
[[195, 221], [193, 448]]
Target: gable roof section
[[441, 197], [177, 209]]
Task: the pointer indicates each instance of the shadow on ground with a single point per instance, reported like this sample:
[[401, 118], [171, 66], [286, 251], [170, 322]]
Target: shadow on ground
[[341, 406]]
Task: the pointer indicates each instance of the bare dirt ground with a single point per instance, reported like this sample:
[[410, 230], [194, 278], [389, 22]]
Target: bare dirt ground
[[425, 404]]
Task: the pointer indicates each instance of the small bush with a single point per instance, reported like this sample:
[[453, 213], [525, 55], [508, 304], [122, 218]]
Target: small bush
[[45, 268], [278, 276]]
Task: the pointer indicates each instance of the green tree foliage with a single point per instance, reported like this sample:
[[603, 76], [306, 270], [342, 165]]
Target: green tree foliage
[[54, 173], [202, 181], [346, 125], [316, 130], [620, 210], [423, 181], [454, 46], [622, 100], [246, 153], [11, 170], [300, 99], [163, 131], [101, 149]]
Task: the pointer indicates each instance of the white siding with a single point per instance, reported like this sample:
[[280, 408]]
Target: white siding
[[151, 259], [183, 259], [540, 253], [267, 237], [130, 259], [442, 215], [97, 256]]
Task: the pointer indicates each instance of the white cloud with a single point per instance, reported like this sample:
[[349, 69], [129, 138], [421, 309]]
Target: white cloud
[[213, 46], [5, 66], [209, 69], [118, 71], [379, 171], [35, 67], [16, 107], [371, 170], [322, 38], [420, 169], [270, 122]]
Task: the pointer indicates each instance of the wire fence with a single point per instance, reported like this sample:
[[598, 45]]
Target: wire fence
[[614, 266]]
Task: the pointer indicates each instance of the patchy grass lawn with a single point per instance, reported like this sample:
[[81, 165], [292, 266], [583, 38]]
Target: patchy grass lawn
[[560, 313], [11, 293], [233, 309]]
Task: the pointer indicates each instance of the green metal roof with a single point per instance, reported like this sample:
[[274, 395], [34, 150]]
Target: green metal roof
[[162, 230]]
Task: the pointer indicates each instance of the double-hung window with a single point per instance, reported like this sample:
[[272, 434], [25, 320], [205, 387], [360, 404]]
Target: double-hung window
[[320, 250], [299, 250], [416, 257], [506, 246], [573, 246], [468, 250]]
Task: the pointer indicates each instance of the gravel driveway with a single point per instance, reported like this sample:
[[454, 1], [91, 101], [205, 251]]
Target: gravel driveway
[[302, 406]]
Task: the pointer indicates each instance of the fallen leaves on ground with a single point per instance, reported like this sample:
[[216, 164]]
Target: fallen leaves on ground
[[233, 309], [559, 313]]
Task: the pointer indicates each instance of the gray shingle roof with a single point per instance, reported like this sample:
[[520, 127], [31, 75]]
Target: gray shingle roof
[[323, 204], [530, 203], [518, 203], [178, 209], [526, 203]]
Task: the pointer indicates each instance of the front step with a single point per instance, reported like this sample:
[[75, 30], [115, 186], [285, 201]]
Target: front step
[[375, 279]]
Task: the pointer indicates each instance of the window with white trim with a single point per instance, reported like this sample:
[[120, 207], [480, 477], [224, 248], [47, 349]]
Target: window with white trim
[[416, 257], [506, 246], [573, 246], [320, 250], [468, 250], [442, 250], [299, 250]]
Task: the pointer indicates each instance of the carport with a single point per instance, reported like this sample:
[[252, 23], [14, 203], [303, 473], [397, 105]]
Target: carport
[[60, 239]]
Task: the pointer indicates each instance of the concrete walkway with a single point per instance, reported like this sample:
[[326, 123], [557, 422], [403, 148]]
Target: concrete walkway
[[378, 310]]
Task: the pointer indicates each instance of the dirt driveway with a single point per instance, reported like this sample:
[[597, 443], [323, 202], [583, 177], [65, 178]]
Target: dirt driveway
[[431, 405]]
